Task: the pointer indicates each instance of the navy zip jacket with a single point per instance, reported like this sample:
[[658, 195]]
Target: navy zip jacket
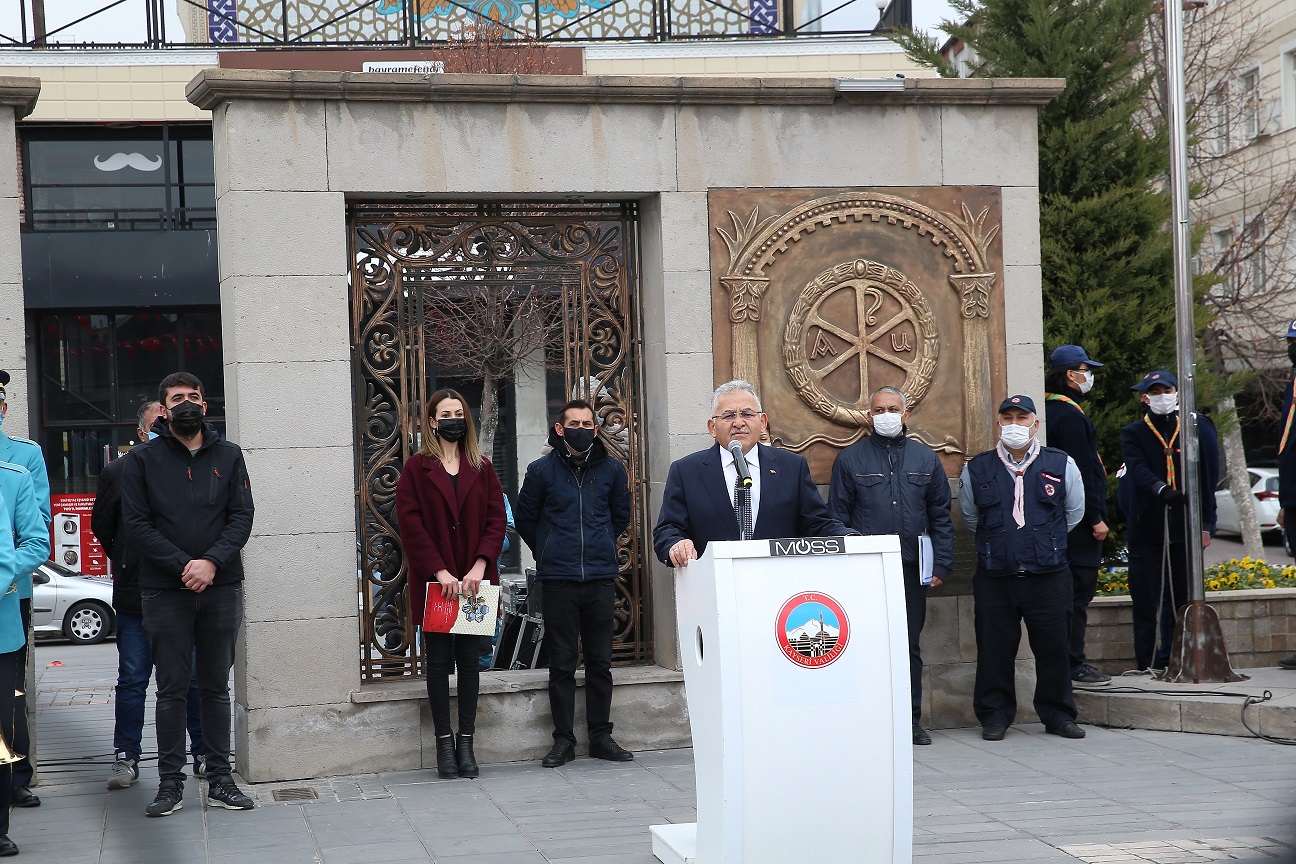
[[895, 486], [1070, 430], [106, 522], [570, 514], [178, 506], [1145, 475], [1287, 460]]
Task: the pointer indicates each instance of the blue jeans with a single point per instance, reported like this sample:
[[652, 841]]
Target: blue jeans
[[134, 668], [192, 634]]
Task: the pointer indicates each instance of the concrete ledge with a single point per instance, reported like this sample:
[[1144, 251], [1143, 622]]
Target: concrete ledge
[[21, 93], [211, 87], [517, 681]]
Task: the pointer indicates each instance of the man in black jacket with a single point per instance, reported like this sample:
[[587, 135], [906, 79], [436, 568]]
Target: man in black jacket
[[574, 503], [890, 484], [187, 509], [134, 662], [1068, 381]]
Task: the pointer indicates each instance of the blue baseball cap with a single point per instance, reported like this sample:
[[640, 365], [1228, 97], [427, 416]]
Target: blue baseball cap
[[1066, 355], [1291, 332], [1025, 403], [1160, 376]]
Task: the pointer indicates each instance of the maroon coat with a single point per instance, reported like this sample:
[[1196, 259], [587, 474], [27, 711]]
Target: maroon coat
[[444, 526]]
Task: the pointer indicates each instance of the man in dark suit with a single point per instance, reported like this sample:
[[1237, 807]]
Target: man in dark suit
[[703, 498]]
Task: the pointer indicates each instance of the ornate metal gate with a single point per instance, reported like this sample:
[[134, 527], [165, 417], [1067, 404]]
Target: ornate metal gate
[[405, 261]]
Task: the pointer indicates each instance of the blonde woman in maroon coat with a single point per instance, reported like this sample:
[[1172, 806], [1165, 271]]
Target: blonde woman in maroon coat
[[450, 510]]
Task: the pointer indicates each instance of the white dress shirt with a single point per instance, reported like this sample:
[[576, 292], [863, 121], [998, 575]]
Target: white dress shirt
[[731, 475]]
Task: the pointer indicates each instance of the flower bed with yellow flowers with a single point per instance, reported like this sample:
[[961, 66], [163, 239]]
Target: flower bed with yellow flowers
[[1232, 575]]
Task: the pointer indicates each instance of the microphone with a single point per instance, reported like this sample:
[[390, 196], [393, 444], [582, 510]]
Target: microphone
[[740, 462]]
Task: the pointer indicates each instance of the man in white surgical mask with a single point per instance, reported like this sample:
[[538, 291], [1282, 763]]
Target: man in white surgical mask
[[1151, 491], [1021, 499], [890, 484]]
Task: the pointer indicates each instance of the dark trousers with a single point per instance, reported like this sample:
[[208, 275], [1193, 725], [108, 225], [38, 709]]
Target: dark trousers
[[21, 740], [134, 669], [446, 653], [1084, 584], [1001, 604], [1147, 593], [915, 617], [193, 633], [580, 610], [13, 669]]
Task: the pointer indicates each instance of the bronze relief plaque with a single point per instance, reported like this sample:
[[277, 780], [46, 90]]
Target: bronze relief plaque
[[820, 296]]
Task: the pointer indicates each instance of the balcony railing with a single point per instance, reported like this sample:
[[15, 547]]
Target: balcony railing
[[171, 24], [121, 219]]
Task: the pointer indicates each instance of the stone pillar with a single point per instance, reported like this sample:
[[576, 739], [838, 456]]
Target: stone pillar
[[17, 99]]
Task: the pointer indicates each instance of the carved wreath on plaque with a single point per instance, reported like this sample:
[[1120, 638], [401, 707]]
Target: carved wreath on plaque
[[891, 324]]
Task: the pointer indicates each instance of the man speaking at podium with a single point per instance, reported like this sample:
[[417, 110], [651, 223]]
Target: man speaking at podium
[[711, 495]]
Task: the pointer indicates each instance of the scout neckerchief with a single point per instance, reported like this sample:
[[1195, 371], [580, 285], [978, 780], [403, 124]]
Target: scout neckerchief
[[1291, 413], [1168, 446], [1018, 471], [1058, 397]]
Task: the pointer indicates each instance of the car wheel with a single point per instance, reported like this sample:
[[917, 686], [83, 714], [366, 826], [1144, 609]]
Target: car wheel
[[87, 623]]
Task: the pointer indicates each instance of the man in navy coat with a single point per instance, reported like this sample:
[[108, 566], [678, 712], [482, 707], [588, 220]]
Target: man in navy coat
[[701, 501], [1287, 462]]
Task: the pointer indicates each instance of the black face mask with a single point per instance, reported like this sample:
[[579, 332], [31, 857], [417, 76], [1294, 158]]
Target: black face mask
[[452, 429], [579, 440], [1291, 351], [186, 419]]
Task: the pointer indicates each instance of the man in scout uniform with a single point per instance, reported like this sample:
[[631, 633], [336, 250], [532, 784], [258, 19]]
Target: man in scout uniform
[[1287, 460], [1067, 383], [1154, 502]]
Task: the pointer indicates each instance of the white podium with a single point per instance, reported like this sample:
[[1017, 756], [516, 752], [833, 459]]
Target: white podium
[[796, 667]]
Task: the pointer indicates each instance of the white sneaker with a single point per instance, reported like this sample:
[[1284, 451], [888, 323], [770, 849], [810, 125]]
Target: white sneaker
[[124, 773]]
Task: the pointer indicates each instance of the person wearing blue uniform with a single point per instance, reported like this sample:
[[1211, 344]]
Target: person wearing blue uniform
[[1021, 499], [1067, 383], [22, 548], [1287, 461], [1152, 497], [27, 453]]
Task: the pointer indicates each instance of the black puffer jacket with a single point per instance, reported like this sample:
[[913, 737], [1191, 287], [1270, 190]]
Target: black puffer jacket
[[106, 522], [570, 513], [178, 506]]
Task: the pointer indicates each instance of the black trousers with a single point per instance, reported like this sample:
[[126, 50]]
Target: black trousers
[[915, 617], [21, 740], [13, 669], [1084, 584], [1002, 603], [580, 611], [1147, 593], [461, 654], [192, 634]]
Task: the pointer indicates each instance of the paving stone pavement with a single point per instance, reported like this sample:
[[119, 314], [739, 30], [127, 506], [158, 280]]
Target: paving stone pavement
[[1117, 796]]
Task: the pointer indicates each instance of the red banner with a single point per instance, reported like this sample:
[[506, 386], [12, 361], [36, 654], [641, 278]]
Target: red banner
[[73, 543]]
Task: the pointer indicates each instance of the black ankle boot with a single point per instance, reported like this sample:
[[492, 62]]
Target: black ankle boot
[[447, 763], [467, 761]]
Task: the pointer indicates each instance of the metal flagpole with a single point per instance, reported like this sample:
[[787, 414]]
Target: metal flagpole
[[1199, 653]]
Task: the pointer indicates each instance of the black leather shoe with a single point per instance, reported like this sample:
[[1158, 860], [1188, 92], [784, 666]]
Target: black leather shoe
[[993, 732], [606, 748], [920, 735], [561, 753], [447, 760], [24, 797], [467, 760], [1067, 729], [1288, 662], [8, 848]]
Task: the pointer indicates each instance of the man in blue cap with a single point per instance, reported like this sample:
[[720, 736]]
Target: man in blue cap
[[1152, 496], [1287, 460], [27, 453], [1067, 383], [1022, 499]]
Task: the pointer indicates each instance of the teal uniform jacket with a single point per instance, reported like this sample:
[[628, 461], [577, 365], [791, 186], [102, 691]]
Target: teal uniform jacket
[[16, 484], [27, 453]]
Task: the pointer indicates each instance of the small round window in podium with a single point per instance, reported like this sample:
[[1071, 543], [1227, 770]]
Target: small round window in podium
[[812, 629]]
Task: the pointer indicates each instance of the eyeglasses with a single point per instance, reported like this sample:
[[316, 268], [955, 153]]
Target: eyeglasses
[[730, 416]]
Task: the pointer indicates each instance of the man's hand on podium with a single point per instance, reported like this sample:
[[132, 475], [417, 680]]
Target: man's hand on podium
[[683, 552]]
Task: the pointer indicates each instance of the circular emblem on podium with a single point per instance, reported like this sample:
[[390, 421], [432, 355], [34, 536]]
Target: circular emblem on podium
[[812, 630]]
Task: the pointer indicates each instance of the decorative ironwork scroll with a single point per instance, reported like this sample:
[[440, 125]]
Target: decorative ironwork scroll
[[405, 260]]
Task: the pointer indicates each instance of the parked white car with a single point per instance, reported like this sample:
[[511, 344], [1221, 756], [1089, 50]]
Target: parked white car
[[69, 604], [1264, 486]]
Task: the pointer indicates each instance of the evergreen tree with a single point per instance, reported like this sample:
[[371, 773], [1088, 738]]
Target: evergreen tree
[[1106, 256]]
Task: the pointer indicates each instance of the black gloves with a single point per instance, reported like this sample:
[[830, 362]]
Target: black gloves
[[1171, 497]]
